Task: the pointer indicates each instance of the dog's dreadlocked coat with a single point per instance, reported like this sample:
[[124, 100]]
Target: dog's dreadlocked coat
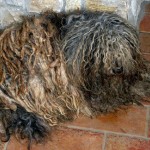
[[103, 58], [35, 91], [53, 67]]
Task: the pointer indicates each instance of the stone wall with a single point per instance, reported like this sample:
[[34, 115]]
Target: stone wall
[[10, 10]]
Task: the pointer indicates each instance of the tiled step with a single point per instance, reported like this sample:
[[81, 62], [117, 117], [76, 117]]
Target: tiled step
[[69, 139]]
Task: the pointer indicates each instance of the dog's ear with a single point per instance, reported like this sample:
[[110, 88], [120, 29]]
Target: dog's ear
[[68, 20], [74, 18], [52, 17]]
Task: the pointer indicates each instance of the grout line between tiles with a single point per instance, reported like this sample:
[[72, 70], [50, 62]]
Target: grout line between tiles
[[145, 32], [6, 145], [108, 132], [147, 122], [104, 142]]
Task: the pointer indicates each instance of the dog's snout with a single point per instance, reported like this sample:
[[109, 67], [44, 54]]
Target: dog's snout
[[118, 70]]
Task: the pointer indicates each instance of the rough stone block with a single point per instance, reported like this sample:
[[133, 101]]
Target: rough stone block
[[112, 6], [9, 15], [73, 5], [39, 5], [19, 3]]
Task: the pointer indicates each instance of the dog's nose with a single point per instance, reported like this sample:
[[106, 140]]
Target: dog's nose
[[117, 70]]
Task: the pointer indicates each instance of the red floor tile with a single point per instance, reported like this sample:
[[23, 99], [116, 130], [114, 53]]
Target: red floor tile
[[145, 42], [145, 48], [2, 145], [149, 123], [145, 23], [126, 143], [132, 120], [147, 8], [146, 56], [65, 139], [146, 101]]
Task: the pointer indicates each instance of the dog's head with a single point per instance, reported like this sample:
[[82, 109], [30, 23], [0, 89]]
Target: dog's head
[[120, 56], [101, 41]]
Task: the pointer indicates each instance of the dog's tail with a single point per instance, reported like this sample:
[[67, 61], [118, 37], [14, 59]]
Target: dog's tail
[[23, 124]]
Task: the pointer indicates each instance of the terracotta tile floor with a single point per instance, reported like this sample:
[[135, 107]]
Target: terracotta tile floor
[[127, 129], [115, 142], [130, 121], [65, 139]]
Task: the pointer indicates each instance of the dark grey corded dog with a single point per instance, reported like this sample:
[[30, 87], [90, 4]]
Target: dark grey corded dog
[[103, 58]]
